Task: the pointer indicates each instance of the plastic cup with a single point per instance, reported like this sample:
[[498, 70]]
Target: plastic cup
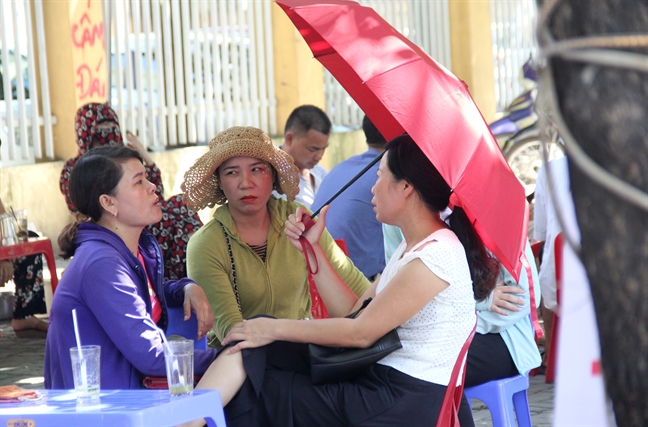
[[179, 360], [21, 220], [8, 230], [87, 373]]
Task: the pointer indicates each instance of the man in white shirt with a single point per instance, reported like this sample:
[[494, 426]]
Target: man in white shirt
[[306, 138], [546, 224], [546, 227]]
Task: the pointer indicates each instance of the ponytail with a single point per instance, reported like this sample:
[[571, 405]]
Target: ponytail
[[484, 269], [66, 240]]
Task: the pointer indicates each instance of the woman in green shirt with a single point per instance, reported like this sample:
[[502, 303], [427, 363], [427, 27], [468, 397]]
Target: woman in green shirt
[[242, 258]]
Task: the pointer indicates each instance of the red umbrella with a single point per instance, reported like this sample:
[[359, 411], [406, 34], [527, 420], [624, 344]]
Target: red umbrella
[[402, 89]]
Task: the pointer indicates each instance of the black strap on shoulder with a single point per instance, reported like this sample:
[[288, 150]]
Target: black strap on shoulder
[[229, 250]]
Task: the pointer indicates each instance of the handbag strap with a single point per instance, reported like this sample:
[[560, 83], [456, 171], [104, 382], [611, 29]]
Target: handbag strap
[[364, 305], [307, 247], [231, 255]]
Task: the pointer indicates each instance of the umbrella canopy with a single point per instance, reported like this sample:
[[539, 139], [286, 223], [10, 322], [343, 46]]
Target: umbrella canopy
[[402, 89]]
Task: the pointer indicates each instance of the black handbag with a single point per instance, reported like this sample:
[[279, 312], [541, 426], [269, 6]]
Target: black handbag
[[334, 364]]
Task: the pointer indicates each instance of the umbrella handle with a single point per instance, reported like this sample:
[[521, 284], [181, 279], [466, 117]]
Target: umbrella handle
[[307, 221]]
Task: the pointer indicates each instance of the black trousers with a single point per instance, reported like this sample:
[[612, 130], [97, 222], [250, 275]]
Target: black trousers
[[488, 359], [30, 291], [279, 392]]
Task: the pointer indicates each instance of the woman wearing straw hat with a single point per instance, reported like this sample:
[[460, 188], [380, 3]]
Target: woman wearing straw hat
[[242, 258], [115, 278]]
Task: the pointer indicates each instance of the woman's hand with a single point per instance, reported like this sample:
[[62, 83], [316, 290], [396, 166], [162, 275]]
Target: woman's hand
[[294, 227], [196, 300], [135, 143], [6, 271], [504, 299], [251, 333]]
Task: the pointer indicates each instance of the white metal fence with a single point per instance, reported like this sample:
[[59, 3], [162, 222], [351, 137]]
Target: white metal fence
[[513, 33], [181, 71], [425, 23], [24, 106]]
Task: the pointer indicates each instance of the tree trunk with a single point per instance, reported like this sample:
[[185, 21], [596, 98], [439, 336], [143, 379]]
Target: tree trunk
[[606, 110]]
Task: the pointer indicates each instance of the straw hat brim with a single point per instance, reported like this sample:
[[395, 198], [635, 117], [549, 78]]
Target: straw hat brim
[[201, 186]]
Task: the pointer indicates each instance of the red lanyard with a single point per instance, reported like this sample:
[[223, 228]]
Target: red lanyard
[[539, 333], [156, 308]]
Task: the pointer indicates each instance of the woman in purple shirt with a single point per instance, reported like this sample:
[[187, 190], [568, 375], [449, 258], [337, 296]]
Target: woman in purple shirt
[[115, 280]]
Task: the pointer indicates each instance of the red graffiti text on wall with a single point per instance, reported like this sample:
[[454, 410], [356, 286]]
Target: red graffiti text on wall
[[89, 82], [87, 38], [85, 32]]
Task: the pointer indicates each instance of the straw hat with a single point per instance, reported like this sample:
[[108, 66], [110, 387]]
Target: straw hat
[[201, 186]]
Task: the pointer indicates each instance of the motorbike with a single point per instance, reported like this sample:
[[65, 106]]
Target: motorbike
[[518, 133]]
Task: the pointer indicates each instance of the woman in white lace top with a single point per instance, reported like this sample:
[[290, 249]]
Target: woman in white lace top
[[426, 293]]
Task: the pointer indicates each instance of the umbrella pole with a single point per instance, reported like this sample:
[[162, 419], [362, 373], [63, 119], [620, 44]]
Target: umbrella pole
[[308, 221]]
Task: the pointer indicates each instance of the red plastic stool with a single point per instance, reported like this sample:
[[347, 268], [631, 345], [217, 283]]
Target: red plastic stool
[[34, 245], [449, 413]]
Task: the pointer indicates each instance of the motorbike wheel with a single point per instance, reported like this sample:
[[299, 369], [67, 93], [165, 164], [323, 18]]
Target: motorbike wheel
[[525, 158]]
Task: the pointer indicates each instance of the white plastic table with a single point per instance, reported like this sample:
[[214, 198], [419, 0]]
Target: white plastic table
[[137, 408]]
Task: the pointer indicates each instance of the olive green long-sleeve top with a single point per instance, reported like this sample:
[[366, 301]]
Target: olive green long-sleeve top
[[277, 287]]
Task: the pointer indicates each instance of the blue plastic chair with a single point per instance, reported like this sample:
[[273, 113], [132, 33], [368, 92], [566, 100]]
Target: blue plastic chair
[[188, 329], [501, 396]]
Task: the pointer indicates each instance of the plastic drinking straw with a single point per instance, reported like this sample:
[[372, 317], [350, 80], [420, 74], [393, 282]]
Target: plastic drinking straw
[[76, 330], [84, 372]]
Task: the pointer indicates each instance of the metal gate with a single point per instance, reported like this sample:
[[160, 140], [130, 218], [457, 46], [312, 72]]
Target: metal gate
[[513, 32], [24, 106], [181, 71]]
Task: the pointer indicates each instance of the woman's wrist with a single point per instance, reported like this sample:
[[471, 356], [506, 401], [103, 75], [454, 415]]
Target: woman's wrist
[[281, 329]]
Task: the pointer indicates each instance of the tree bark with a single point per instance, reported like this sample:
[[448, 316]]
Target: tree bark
[[606, 109]]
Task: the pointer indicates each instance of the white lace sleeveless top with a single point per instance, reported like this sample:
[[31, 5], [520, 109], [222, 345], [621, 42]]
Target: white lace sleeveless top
[[433, 338]]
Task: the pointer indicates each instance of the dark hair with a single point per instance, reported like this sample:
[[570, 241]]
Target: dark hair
[[307, 117], [374, 137], [406, 161], [95, 173]]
